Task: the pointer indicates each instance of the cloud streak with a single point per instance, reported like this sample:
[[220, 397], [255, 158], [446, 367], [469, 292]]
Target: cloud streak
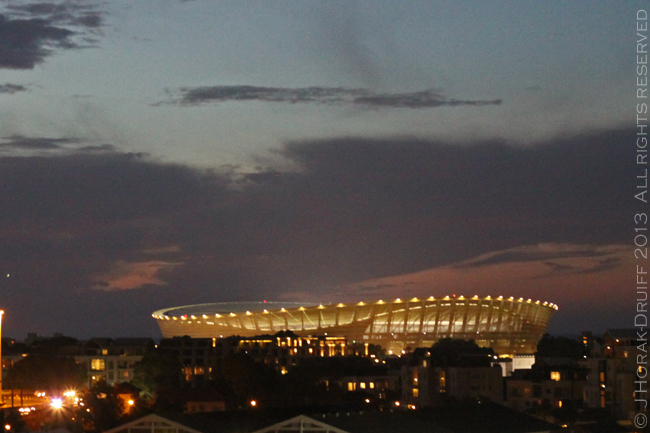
[[538, 253], [20, 145], [12, 88], [36, 143], [190, 96], [68, 13]]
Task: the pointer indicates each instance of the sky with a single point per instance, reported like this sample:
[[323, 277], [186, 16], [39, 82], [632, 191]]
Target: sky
[[158, 154]]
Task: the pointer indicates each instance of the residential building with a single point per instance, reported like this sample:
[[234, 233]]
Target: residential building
[[423, 383], [552, 382], [612, 372], [112, 361], [281, 351], [376, 387]]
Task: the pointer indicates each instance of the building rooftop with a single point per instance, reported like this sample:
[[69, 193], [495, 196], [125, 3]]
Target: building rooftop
[[622, 333], [459, 418]]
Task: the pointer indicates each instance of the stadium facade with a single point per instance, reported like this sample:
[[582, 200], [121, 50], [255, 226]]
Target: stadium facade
[[510, 326]]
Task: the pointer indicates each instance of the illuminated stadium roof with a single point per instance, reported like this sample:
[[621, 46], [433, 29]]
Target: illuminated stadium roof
[[231, 307], [508, 325]]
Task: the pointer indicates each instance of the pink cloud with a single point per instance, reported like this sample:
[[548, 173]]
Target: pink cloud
[[133, 275]]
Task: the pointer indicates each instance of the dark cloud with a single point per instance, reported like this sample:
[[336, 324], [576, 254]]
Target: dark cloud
[[29, 33], [27, 42], [318, 95], [89, 20], [57, 146], [36, 143], [12, 88], [559, 268], [99, 148], [349, 210], [603, 265], [565, 269], [423, 99], [521, 255], [93, 188], [68, 220]]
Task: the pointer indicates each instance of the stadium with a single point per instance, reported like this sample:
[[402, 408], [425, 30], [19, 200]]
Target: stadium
[[509, 326]]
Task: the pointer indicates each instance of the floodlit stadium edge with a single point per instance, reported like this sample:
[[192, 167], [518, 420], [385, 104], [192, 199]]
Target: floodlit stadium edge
[[510, 326]]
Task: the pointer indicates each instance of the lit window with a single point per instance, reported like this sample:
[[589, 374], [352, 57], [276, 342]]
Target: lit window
[[415, 392], [555, 375], [98, 365], [363, 385], [350, 386], [104, 351], [372, 385]]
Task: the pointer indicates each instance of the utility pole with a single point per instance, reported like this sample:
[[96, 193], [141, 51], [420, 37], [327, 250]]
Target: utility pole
[[1, 395]]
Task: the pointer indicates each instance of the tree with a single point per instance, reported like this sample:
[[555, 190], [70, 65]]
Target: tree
[[312, 381], [11, 417], [101, 408], [47, 372], [248, 379], [453, 352], [156, 370], [560, 347]]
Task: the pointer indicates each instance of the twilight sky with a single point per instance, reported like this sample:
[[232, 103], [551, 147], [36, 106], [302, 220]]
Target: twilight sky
[[157, 154]]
